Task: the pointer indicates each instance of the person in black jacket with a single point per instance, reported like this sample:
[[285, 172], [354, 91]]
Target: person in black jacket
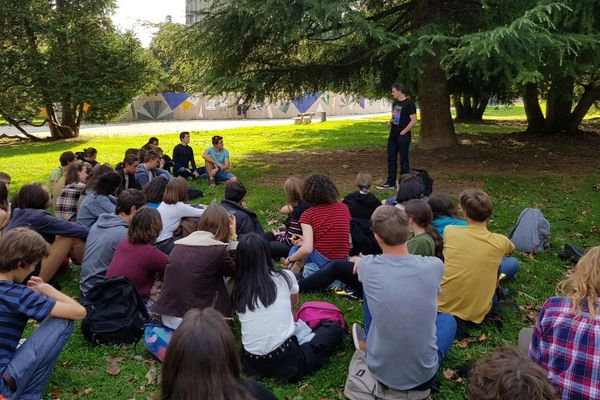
[[362, 204], [66, 238], [127, 171], [183, 159], [246, 220]]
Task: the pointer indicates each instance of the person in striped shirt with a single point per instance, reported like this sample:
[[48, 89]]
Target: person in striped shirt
[[24, 370]]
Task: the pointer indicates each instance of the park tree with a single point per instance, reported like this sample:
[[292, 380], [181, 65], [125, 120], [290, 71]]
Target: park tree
[[279, 48], [65, 57]]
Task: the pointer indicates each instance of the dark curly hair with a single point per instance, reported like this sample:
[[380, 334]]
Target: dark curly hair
[[319, 189]]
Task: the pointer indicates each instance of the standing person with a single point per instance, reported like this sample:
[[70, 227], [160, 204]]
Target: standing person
[[217, 162], [263, 298], [404, 118], [184, 163], [408, 338], [24, 371], [565, 336], [202, 362]]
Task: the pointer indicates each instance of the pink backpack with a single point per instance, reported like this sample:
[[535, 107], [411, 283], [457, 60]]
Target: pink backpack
[[313, 312]]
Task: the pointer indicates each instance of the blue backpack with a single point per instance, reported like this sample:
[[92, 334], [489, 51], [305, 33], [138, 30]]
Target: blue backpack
[[531, 232]]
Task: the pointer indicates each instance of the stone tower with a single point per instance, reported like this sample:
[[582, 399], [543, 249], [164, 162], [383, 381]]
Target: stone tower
[[192, 7]]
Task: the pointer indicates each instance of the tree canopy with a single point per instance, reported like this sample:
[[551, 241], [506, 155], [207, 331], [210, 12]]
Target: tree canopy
[[66, 58]]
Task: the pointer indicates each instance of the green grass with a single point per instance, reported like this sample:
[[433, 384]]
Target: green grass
[[566, 201]]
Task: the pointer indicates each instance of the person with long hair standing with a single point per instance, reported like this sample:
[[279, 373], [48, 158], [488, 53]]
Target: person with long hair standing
[[202, 363], [565, 336], [263, 298]]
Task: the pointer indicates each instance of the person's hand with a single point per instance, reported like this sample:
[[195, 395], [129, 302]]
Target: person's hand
[[296, 240], [355, 269], [285, 262], [277, 233], [195, 174], [161, 164], [36, 283], [243, 204], [232, 225]]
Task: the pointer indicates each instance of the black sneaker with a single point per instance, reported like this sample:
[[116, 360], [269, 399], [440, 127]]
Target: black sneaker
[[386, 186]]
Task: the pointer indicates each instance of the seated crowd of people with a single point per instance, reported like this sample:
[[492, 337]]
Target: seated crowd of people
[[425, 278]]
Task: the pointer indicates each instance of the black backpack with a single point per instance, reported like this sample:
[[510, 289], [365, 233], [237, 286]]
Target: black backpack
[[426, 179], [116, 313]]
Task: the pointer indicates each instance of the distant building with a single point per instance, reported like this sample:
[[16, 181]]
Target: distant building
[[192, 9]]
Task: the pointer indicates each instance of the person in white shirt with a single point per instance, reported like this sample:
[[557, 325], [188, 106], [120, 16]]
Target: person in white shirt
[[263, 298], [172, 209]]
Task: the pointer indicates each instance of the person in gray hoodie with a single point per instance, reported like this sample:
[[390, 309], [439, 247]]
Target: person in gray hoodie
[[100, 199], [104, 237]]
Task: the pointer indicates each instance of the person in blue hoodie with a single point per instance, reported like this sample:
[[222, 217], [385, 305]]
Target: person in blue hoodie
[[100, 198], [149, 169], [444, 212], [105, 235], [67, 239]]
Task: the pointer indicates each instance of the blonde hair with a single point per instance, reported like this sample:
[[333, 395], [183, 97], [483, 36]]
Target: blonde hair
[[293, 190], [583, 286], [363, 180]]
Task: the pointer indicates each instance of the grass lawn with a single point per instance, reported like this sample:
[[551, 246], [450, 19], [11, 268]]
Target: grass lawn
[[516, 170]]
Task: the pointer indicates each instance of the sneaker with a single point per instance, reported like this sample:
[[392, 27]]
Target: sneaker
[[359, 336], [386, 186], [212, 183]]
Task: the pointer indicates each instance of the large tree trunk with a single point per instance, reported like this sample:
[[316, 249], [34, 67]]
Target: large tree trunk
[[533, 111], [67, 128], [437, 128], [559, 104], [589, 96], [470, 108]]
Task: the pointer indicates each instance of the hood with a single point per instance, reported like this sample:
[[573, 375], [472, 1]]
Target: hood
[[200, 238], [363, 199], [106, 221]]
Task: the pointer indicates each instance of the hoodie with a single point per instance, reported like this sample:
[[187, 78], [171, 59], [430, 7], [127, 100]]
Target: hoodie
[[361, 205], [104, 237], [246, 220], [194, 276], [45, 224], [92, 206]]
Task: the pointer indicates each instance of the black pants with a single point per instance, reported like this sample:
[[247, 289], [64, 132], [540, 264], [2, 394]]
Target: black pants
[[278, 249], [330, 272], [291, 361], [397, 145]]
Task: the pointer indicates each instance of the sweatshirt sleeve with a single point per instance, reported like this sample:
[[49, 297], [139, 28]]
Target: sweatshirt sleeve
[[185, 210], [227, 266], [192, 160], [158, 260], [178, 157], [141, 177], [61, 227]]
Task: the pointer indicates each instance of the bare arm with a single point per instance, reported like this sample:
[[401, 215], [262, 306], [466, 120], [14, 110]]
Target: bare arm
[[413, 122], [65, 306], [294, 299], [307, 243], [225, 166], [207, 157]]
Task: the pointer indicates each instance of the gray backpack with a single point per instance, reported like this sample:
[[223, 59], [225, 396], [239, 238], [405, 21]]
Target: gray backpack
[[532, 231]]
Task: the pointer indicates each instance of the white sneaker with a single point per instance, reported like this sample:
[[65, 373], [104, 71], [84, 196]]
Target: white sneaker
[[359, 337]]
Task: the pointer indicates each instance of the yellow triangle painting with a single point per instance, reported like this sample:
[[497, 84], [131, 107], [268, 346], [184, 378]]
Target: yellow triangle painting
[[186, 104]]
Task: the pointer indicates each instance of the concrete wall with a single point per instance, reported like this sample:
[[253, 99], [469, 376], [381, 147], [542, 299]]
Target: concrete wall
[[181, 106]]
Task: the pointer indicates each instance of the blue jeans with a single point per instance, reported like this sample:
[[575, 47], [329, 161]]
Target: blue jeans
[[32, 363], [222, 176], [509, 267], [313, 258]]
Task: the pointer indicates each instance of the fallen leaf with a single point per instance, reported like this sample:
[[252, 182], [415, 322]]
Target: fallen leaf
[[152, 375], [304, 388], [483, 337], [113, 359], [463, 344], [272, 222], [55, 393], [141, 389], [450, 374], [87, 391], [113, 369], [138, 358]]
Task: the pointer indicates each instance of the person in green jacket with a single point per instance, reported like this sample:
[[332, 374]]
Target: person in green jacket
[[425, 240]]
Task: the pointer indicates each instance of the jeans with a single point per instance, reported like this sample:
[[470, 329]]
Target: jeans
[[395, 146], [313, 258], [509, 267], [222, 176], [337, 270], [445, 331], [32, 363]]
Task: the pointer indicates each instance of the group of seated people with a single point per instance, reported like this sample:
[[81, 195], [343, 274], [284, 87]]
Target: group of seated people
[[425, 277]]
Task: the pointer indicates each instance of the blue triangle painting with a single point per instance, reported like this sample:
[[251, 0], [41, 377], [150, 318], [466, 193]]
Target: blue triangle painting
[[303, 104], [174, 99]]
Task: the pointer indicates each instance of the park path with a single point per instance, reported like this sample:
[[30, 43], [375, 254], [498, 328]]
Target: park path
[[152, 128]]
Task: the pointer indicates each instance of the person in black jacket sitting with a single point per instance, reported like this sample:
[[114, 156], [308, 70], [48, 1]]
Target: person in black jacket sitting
[[362, 204], [127, 171], [183, 159], [246, 220]]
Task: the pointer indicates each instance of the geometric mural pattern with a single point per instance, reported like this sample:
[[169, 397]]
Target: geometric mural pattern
[[155, 110]]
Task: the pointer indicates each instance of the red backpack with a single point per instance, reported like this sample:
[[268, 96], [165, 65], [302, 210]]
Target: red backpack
[[313, 312]]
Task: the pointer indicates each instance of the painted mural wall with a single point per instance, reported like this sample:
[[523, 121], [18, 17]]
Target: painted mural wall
[[181, 106]]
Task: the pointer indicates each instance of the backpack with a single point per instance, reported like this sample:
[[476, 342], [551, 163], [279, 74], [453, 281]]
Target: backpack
[[313, 312], [531, 232], [156, 339], [425, 179], [115, 313]]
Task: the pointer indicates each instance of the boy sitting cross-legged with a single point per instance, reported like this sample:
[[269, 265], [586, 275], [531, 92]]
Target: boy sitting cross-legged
[[473, 260], [408, 338], [25, 371]]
